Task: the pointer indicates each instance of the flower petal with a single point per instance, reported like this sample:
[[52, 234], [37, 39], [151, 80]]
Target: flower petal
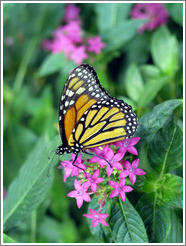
[[72, 193], [135, 163], [132, 178], [79, 201], [140, 171], [86, 197], [77, 185], [127, 188], [99, 180], [103, 222], [113, 184], [94, 159], [121, 182], [103, 215], [122, 196], [95, 174], [132, 150], [118, 166], [114, 193], [124, 174], [135, 140], [118, 156], [126, 164], [95, 222], [93, 187], [109, 170], [90, 216]]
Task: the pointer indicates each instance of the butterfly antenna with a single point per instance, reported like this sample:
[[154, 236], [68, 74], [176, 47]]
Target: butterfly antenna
[[49, 157]]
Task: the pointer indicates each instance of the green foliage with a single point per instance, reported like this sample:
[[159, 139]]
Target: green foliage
[[30, 187], [145, 70], [164, 48]]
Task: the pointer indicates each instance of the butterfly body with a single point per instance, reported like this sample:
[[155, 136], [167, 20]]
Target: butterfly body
[[88, 116]]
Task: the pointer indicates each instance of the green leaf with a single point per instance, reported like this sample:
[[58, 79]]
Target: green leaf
[[156, 217], [28, 190], [166, 150], [52, 64], [176, 232], [126, 224], [151, 89], [7, 239], [149, 72], [117, 36], [152, 121], [134, 83], [164, 49], [110, 14], [176, 12], [146, 183], [171, 191]]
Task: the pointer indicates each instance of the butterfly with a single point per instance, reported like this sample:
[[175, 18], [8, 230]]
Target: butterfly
[[88, 116]]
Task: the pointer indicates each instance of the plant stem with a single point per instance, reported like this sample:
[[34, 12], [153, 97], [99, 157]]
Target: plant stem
[[28, 54]]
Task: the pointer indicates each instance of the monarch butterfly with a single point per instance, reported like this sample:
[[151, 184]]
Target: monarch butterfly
[[89, 116]]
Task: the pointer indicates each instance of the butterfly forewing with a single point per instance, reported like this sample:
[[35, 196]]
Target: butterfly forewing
[[81, 91]]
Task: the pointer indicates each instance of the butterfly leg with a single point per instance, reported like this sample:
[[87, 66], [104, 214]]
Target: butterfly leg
[[98, 157], [73, 163]]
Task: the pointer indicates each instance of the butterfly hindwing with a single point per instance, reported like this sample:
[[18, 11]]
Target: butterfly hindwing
[[105, 122]]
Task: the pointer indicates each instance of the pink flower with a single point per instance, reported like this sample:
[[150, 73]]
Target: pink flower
[[62, 43], [105, 157], [73, 31], [71, 169], [120, 189], [71, 12], [80, 193], [94, 180], [95, 44], [131, 170], [96, 217], [155, 12], [127, 144], [79, 54]]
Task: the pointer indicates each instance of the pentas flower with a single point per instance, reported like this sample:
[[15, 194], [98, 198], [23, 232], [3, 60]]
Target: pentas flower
[[96, 217], [155, 12], [131, 170], [80, 193], [94, 180], [71, 39], [79, 54], [106, 157], [71, 12], [95, 44], [73, 31], [71, 169], [127, 145], [119, 189], [97, 180]]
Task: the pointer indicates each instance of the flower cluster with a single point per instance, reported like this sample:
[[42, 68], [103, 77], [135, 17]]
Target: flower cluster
[[155, 12], [69, 38], [105, 175]]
